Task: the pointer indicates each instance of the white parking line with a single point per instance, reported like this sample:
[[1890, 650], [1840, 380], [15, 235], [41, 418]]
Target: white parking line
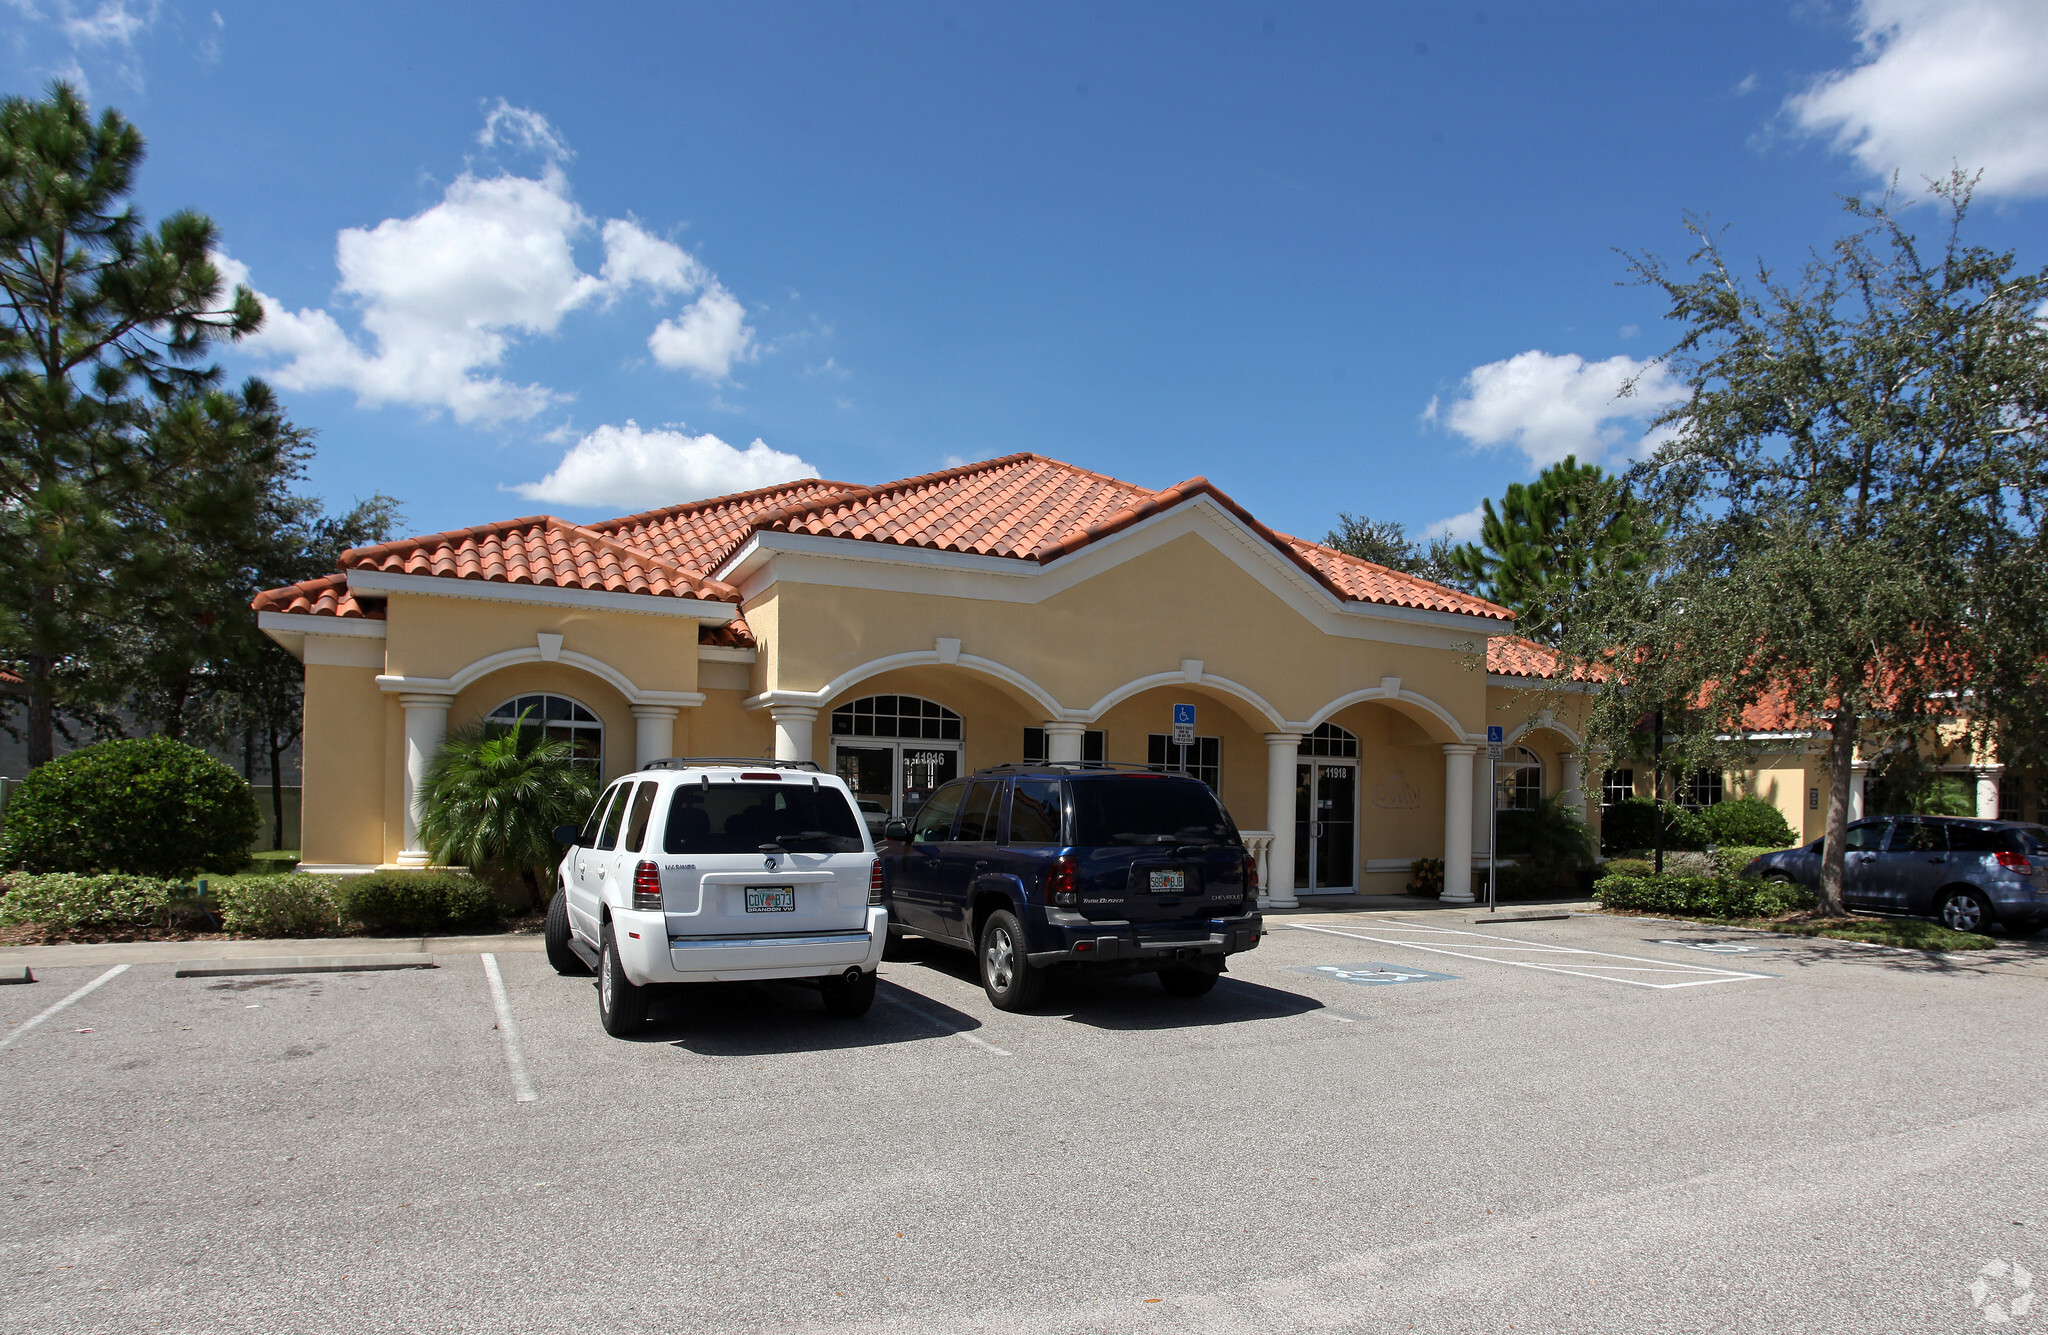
[[947, 1025], [522, 1083], [30, 1024], [1550, 959]]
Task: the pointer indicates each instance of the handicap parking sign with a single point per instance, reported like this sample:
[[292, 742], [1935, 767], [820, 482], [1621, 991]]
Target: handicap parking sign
[[1183, 725]]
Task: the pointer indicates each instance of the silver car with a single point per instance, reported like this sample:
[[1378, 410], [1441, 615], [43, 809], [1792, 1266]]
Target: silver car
[[1971, 874]]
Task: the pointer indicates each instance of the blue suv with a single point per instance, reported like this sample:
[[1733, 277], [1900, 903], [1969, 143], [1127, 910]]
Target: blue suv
[[1034, 867], [1971, 874]]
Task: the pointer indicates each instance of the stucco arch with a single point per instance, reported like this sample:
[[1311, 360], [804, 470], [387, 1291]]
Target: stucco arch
[[1027, 692], [1261, 712], [1557, 726], [596, 667], [1437, 722]]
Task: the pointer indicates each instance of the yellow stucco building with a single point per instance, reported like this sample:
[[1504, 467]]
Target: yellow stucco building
[[901, 634]]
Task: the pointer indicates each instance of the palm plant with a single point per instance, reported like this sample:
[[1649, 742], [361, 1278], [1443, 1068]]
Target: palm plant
[[494, 795]]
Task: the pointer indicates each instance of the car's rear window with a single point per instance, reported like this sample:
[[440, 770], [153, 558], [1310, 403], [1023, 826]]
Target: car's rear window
[[1139, 811], [1975, 839], [741, 817], [2032, 842]]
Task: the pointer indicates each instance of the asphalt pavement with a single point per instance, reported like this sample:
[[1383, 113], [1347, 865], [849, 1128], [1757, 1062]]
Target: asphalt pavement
[[1375, 1122]]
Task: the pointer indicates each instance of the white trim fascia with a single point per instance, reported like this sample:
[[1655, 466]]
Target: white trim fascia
[[804, 558], [725, 653], [393, 684], [305, 623], [1540, 684], [541, 595]]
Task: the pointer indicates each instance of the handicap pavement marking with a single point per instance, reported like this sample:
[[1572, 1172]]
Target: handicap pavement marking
[[1541, 957], [1375, 974], [1718, 947]]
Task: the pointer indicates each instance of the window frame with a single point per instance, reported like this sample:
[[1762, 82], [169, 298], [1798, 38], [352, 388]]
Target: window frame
[[592, 723], [1158, 743]]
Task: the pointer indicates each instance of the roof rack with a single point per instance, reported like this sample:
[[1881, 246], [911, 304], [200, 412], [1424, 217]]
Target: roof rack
[[731, 762], [1107, 766]]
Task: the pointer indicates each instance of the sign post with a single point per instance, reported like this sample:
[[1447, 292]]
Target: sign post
[[1183, 731], [1494, 747]]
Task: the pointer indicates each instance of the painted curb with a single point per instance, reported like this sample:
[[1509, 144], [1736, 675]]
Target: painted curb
[[414, 959], [1522, 917]]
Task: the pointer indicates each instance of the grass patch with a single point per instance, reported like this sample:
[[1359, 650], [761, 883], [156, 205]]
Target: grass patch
[[278, 863], [1905, 933]]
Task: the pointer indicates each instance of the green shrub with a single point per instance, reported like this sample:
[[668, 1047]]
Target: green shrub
[[66, 901], [1525, 880], [1632, 824], [1426, 877], [416, 901], [1730, 859], [148, 807], [1629, 867], [1701, 896], [1750, 821], [277, 905]]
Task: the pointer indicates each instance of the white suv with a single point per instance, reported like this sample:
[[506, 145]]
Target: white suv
[[719, 870]]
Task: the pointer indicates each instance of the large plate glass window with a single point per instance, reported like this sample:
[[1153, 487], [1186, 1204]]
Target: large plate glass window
[[893, 751], [1204, 759], [1326, 812], [561, 718], [1518, 779]]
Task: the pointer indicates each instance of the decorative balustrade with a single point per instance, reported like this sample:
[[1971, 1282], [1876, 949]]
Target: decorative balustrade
[[1259, 843]]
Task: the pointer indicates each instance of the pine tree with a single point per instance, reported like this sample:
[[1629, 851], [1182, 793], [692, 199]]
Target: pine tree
[[1548, 540]]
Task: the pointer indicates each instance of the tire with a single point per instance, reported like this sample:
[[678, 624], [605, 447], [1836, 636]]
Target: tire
[[896, 948], [1781, 878], [556, 934], [621, 1006], [1964, 911], [1009, 978], [1187, 982], [844, 1000]]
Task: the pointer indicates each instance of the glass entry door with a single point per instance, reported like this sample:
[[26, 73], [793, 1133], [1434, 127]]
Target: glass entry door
[[1325, 826], [895, 777]]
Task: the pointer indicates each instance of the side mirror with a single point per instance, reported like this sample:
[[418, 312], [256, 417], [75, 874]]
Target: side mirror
[[899, 830], [567, 835]]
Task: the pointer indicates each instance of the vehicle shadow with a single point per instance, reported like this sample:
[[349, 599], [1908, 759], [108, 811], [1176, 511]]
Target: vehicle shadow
[[773, 1018], [1130, 1002]]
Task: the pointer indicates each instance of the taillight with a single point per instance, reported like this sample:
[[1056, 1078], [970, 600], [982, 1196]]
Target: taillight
[[875, 883], [2015, 862], [1059, 883], [647, 886], [1251, 877]]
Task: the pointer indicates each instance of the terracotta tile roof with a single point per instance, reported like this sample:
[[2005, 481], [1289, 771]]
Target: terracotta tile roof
[[733, 635], [543, 551], [1021, 507], [327, 596], [1513, 656], [700, 535]]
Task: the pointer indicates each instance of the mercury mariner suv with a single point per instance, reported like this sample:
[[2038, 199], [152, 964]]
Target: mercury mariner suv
[[712, 869], [1076, 866]]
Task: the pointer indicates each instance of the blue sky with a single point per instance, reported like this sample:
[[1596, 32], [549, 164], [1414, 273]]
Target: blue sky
[[580, 259]]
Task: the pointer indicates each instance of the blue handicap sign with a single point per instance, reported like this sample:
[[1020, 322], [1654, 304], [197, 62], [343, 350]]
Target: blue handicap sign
[[1494, 735], [1375, 974], [1183, 716]]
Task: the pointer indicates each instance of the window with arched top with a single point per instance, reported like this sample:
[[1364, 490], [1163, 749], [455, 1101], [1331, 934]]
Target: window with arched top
[[1330, 740], [903, 716], [561, 718], [1519, 779]]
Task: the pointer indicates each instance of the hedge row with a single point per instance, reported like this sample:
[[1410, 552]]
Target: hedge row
[[293, 905], [1749, 821], [1701, 896]]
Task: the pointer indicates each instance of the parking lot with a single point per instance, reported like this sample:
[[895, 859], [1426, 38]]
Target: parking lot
[[1375, 1122]]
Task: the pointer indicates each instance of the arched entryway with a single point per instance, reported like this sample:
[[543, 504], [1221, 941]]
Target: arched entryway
[[892, 750], [1326, 812]]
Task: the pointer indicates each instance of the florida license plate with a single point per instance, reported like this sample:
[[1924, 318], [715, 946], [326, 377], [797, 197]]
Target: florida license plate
[[771, 899], [1169, 880]]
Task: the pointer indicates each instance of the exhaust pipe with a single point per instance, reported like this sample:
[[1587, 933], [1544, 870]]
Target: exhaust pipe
[[852, 975]]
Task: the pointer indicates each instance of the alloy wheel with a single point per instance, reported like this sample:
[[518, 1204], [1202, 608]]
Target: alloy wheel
[[1000, 959], [604, 978], [1962, 913]]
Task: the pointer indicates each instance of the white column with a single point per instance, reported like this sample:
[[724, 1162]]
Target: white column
[[1458, 817], [1987, 791], [1282, 751], [1571, 792], [1859, 782], [426, 724], [654, 733], [793, 730], [1063, 742]]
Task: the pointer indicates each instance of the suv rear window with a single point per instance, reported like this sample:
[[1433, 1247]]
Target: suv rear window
[[740, 817], [1147, 811]]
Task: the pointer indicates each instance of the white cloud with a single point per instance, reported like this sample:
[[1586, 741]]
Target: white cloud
[[630, 469], [106, 33], [710, 336], [445, 294], [1458, 528], [1550, 405], [1941, 83]]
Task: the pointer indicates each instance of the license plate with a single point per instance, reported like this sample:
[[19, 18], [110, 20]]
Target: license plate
[[771, 899], [1169, 880]]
